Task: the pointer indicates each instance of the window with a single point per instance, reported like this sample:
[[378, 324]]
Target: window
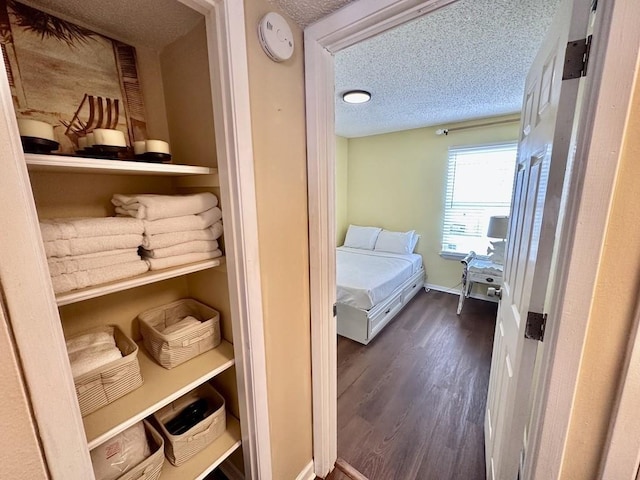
[[479, 185]]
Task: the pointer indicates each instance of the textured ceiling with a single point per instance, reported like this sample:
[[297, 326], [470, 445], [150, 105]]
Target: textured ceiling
[[305, 12], [466, 61], [153, 23]]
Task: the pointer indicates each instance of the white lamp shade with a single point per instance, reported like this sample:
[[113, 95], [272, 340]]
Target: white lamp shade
[[498, 227]]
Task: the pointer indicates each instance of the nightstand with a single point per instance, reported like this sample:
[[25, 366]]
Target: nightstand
[[478, 269]]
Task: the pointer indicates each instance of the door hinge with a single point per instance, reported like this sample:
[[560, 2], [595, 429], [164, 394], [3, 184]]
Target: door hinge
[[534, 328], [576, 58], [335, 310]]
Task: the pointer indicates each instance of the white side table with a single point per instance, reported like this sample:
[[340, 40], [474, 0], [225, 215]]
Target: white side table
[[478, 269]]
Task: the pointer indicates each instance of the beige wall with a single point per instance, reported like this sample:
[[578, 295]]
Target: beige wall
[[397, 181], [342, 178], [21, 455], [278, 116], [612, 313]]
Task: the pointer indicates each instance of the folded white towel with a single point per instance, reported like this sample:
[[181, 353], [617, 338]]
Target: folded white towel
[[67, 228], [154, 207], [82, 246], [182, 325], [167, 262], [96, 276], [196, 246], [77, 263], [184, 223], [88, 340], [91, 358], [163, 240]]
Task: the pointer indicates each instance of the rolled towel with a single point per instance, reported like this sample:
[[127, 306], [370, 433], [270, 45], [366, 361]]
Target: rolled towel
[[184, 324], [68, 228], [167, 262], [163, 240], [154, 207], [183, 224], [78, 263], [91, 358], [87, 278], [88, 340], [82, 246], [197, 246]]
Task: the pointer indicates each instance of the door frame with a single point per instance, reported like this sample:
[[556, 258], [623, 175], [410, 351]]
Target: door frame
[[34, 318], [599, 143]]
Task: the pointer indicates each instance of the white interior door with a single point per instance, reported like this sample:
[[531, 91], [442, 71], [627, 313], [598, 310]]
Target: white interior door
[[547, 120]]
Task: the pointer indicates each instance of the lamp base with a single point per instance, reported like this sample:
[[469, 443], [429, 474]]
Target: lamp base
[[496, 251]]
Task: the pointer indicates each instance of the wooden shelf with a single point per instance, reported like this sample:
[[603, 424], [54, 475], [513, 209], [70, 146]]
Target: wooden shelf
[[71, 164], [160, 387], [204, 462], [144, 279]]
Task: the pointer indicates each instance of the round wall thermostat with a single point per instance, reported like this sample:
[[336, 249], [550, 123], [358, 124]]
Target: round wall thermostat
[[276, 37]]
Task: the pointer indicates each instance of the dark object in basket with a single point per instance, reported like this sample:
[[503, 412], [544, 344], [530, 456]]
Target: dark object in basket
[[38, 145], [190, 416]]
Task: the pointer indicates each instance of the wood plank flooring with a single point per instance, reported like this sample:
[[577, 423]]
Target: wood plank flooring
[[411, 403]]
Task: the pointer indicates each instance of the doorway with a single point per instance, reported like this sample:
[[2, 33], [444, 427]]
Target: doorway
[[575, 277]]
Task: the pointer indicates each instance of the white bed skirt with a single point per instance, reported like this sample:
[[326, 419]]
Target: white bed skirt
[[363, 325]]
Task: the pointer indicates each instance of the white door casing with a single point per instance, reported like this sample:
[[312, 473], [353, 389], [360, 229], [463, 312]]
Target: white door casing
[[549, 106]]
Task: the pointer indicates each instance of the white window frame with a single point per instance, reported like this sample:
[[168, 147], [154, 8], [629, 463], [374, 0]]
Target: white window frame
[[450, 185]]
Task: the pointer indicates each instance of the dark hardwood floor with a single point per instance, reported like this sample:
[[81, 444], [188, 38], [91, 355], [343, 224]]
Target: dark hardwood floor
[[411, 403]]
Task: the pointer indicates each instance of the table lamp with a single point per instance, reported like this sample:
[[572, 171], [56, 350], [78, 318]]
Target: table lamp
[[497, 229]]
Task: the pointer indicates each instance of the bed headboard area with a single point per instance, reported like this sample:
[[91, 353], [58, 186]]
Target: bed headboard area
[[379, 239]]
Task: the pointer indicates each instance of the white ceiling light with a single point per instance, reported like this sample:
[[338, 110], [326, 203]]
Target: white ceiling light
[[356, 96]]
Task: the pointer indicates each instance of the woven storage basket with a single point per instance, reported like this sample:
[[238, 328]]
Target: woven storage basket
[[151, 467], [101, 386], [176, 348], [180, 448]]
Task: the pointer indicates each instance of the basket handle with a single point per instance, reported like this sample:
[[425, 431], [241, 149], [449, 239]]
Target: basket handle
[[145, 472], [115, 377], [204, 432], [191, 341]]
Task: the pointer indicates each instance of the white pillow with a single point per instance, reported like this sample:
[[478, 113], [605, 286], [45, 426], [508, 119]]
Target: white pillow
[[396, 242], [361, 237], [416, 237]]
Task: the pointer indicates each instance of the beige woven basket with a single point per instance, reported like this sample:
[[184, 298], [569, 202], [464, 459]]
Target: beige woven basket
[[101, 386], [180, 448], [151, 467], [176, 348]]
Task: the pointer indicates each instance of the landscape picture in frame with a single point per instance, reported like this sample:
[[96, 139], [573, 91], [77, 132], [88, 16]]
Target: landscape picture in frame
[[69, 76]]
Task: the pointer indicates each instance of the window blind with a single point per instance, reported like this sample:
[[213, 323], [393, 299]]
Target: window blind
[[479, 185]]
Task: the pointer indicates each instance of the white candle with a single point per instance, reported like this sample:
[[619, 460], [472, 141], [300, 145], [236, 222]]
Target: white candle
[[36, 129], [107, 136], [90, 139], [82, 143], [139, 147], [158, 146]]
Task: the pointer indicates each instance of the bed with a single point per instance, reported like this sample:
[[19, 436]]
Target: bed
[[372, 288]]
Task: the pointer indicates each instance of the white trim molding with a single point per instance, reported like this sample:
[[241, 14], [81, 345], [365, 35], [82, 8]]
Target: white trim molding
[[230, 89], [307, 472]]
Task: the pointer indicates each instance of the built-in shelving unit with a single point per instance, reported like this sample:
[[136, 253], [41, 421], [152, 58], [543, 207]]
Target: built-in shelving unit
[[145, 279], [160, 387]]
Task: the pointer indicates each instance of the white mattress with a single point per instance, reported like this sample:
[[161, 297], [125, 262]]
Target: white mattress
[[365, 277]]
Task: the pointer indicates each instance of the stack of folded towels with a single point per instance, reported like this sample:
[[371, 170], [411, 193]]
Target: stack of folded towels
[[90, 351], [178, 229], [82, 252]]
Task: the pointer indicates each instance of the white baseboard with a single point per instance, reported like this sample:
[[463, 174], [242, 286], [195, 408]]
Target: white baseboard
[[307, 472], [456, 291], [231, 471]]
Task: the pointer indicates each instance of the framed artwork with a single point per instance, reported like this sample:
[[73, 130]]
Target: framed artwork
[[69, 76]]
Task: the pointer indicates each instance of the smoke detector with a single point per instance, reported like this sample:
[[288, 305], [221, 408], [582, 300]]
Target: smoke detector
[[275, 37]]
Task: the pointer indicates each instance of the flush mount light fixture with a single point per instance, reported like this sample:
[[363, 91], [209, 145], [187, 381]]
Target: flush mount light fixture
[[356, 96]]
